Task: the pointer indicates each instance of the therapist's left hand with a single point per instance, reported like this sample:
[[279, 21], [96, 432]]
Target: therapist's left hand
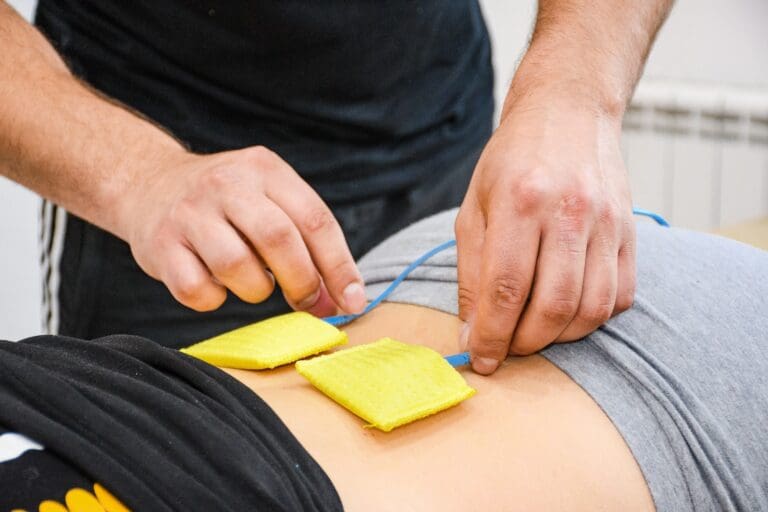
[[546, 239]]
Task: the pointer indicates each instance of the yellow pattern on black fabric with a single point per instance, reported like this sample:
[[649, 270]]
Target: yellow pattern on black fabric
[[387, 383], [270, 343], [81, 500], [107, 500]]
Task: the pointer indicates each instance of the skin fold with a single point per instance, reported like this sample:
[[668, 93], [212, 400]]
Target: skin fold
[[530, 439]]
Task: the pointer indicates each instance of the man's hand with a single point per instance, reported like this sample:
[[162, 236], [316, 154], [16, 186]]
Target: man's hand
[[239, 220], [546, 240], [201, 224]]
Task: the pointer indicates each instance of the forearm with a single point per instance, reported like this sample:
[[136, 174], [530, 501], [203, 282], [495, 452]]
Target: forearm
[[63, 140], [589, 51]]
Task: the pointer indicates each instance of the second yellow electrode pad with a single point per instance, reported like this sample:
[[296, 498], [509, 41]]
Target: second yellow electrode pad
[[387, 383], [270, 343]]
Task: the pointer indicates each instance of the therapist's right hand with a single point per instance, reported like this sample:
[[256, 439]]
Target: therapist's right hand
[[239, 220]]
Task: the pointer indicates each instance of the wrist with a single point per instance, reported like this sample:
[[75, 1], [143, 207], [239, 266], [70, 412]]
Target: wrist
[[551, 78], [124, 199]]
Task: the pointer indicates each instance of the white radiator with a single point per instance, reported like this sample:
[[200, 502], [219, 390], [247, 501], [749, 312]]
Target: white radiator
[[698, 155]]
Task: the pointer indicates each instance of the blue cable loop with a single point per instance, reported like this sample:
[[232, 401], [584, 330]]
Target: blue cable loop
[[661, 221], [345, 319], [455, 359]]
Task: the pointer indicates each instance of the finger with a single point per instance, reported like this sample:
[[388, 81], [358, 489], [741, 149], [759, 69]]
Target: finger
[[627, 270], [279, 243], [189, 281], [229, 258], [470, 233], [509, 259], [599, 292], [324, 238], [323, 307], [556, 290]]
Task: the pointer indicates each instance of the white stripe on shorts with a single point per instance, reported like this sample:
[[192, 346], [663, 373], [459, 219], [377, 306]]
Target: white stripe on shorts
[[53, 222]]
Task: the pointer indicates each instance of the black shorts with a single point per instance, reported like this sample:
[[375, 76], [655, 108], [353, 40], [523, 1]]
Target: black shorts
[[96, 288]]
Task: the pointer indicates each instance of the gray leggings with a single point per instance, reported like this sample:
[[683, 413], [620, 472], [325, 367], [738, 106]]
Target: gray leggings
[[683, 374]]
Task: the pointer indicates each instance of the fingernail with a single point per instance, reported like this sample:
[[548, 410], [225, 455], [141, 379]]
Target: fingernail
[[308, 302], [464, 337], [484, 365], [354, 298]]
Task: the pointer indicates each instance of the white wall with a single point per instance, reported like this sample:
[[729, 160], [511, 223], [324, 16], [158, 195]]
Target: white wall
[[704, 41]]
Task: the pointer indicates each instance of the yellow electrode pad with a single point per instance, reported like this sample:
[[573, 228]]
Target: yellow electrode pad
[[387, 383], [272, 342]]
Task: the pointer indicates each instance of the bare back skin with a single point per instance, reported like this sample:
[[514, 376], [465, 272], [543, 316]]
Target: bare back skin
[[530, 439]]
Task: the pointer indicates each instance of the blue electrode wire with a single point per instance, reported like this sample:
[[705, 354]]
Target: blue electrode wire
[[661, 221], [345, 319], [455, 360]]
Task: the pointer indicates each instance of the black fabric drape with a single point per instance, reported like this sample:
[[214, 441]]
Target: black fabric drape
[[161, 430]]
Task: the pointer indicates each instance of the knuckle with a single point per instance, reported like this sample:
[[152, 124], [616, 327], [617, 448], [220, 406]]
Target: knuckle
[[523, 348], [570, 227], [508, 293], [578, 202], [276, 235], [575, 208], [596, 314], [184, 209], [611, 245], [219, 177], [191, 292], [467, 299], [259, 156], [318, 221], [159, 238], [304, 291], [609, 214], [344, 270], [530, 194], [624, 302], [569, 241], [606, 245], [462, 224], [559, 311], [628, 248], [208, 303], [230, 263], [259, 291], [492, 346]]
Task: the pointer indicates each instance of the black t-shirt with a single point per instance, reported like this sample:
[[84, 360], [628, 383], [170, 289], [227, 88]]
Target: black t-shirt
[[153, 427], [362, 98]]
